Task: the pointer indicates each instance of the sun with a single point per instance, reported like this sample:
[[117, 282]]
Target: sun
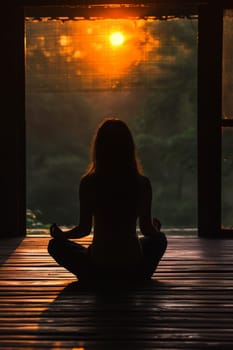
[[116, 38]]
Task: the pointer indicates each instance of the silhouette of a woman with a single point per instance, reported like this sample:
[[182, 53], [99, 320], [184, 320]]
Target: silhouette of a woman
[[113, 195]]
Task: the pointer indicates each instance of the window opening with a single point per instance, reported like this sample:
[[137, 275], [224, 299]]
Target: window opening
[[141, 70]]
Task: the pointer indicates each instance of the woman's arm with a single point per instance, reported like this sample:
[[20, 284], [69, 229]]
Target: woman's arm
[[75, 232], [147, 226], [85, 217]]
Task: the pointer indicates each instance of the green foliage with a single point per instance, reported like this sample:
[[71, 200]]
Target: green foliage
[[32, 218]]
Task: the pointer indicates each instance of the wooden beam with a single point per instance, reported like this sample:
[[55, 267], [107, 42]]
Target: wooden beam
[[12, 122], [209, 120], [165, 3], [108, 11]]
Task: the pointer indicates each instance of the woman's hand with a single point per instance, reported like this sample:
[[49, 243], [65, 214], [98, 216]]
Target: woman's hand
[[56, 232]]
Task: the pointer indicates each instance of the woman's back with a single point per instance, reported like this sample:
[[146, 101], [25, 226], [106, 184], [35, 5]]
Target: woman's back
[[115, 200]]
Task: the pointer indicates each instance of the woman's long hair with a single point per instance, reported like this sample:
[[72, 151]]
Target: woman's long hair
[[113, 149]]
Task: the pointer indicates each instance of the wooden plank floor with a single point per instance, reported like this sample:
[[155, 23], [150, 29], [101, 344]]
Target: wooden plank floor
[[187, 305]]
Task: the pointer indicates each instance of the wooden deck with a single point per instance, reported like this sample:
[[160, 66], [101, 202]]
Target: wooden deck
[[187, 305]]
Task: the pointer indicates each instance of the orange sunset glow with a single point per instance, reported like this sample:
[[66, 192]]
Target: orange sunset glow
[[117, 38], [99, 50], [107, 47], [120, 45]]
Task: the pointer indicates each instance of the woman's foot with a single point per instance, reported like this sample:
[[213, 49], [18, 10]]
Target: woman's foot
[[57, 233]]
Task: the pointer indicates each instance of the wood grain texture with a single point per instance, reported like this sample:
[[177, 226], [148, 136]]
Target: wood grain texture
[[188, 303]]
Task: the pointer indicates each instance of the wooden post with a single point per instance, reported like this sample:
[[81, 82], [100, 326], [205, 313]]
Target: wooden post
[[12, 122], [209, 120]]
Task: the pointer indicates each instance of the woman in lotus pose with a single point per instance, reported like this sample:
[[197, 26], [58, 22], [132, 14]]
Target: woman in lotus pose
[[113, 195]]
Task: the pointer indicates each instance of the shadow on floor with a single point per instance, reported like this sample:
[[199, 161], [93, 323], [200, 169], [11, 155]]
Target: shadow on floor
[[102, 317], [8, 246]]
